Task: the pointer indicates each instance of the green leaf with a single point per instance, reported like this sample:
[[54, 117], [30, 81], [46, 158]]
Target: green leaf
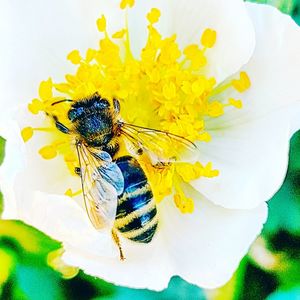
[[1, 204], [26, 238], [286, 6], [292, 294], [37, 283], [2, 149]]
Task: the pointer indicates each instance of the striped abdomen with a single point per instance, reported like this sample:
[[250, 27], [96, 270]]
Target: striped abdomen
[[136, 212]]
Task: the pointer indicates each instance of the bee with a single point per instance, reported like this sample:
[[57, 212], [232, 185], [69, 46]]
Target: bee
[[116, 191]]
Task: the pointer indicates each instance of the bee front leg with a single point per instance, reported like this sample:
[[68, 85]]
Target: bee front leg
[[60, 126], [117, 241]]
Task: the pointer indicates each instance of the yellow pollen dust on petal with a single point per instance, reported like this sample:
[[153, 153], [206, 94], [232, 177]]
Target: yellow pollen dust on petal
[[243, 83], [208, 38], [126, 3], [74, 57], [154, 15]]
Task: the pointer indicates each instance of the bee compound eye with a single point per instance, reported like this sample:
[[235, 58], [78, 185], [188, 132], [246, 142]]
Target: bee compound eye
[[74, 113]]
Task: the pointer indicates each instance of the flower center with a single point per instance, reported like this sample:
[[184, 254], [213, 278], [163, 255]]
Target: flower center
[[166, 89]]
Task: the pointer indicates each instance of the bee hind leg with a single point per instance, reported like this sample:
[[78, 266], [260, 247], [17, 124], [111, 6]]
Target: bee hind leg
[[117, 241]]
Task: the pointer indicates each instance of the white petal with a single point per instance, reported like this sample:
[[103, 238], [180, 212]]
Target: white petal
[[207, 246], [250, 146], [12, 164], [61, 218], [203, 248], [38, 35], [188, 19], [36, 41]]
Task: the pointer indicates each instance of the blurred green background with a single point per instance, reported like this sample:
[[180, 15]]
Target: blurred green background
[[30, 267]]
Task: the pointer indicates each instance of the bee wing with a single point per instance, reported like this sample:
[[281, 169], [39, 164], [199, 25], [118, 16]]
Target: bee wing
[[160, 146], [102, 181]]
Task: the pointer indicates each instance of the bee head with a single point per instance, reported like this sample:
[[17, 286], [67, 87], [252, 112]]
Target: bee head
[[87, 106]]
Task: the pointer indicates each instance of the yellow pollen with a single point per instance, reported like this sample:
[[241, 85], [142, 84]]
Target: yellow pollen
[[48, 152], [74, 57], [27, 133], [165, 88], [153, 16], [243, 83], [183, 203], [35, 106], [209, 38], [235, 103], [101, 24], [45, 89], [126, 3], [119, 34]]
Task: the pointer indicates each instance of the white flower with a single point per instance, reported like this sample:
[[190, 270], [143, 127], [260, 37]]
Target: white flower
[[249, 146]]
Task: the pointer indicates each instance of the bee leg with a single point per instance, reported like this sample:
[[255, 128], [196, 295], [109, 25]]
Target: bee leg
[[117, 241], [116, 105], [60, 126]]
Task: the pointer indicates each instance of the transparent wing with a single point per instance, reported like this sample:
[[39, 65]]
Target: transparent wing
[[102, 181], [160, 146]]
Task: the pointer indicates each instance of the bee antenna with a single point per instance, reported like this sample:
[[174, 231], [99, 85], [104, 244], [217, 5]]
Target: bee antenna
[[60, 101]]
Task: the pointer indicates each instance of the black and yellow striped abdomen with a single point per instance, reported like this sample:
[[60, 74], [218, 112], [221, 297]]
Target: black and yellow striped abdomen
[[136, 212]]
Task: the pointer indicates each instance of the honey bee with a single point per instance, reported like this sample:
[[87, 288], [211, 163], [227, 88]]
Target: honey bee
[[116, 192]]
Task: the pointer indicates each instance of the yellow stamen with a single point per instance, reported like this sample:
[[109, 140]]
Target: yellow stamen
[[119, 34], [153, 16], [235, 103], [74, 57], [101, 24], [208, 38], [125, 3], [45, 90], [48, 152], [168, 84], [35, 106], [243, 83], [27, 133]]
